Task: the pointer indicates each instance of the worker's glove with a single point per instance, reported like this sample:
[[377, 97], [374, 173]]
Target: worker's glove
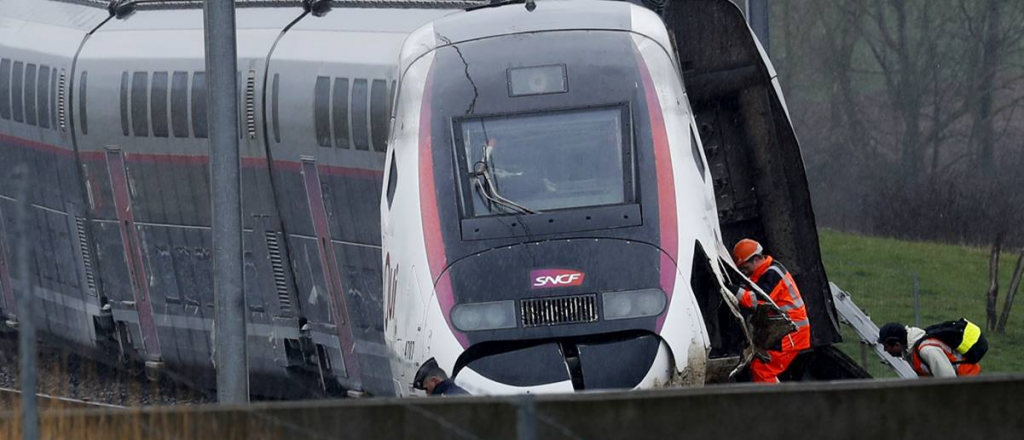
[[737, 287], [768, 327], [751, 353]]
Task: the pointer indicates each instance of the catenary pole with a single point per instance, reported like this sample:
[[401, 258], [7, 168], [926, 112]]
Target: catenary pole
[[26, 309], [917, 302], [226, 200]]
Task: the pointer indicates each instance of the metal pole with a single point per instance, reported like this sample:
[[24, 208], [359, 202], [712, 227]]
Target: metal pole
[[26, 310], [757, 18], [225, 164], [526, 418], [917, 303], [864, 354]]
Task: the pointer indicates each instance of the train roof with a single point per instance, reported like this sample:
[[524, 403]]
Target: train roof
[[83, 14], [549, 15]]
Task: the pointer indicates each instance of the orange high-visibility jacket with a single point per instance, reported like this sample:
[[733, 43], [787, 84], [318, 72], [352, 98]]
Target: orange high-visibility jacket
[[955, 358], [775, 280]]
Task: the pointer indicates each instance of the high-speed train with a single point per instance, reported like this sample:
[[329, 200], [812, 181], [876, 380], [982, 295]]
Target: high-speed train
[[544, 186], [384, 222], [549, 217]]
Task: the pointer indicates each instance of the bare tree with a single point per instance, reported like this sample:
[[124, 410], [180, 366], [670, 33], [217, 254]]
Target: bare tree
[[994, 32], [909, 94], [993, 286], [1018, 272]]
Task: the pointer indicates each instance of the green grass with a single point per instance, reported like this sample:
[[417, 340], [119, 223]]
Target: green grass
[[878, 274]]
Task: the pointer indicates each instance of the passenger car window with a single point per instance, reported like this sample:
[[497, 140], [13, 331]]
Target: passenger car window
[[159, 104], [140, 99], [5, 88], [199, 124], [322, 110], [360, 125]]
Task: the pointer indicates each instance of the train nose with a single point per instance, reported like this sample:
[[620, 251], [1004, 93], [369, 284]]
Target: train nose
[[623, 361]]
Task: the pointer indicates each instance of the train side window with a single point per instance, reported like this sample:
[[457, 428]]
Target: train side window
[[140, 104], [124, 103], [392, 179], [379, 114], [696, 154], [391, 99], [274, 103], [391, 109], [179, 104], [82, 101], [360, 125], [55, 94], [199, 127], [17, 81], [159, 104], [241, 105], [43, 93], [5, 88], [322, 111], [340, 115], [30, 94]]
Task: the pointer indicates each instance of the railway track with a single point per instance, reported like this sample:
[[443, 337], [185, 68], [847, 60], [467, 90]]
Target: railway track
[[10, 399], [72, 378]]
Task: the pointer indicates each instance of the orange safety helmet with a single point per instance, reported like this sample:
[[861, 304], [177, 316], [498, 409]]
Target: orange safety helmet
[[745, 250]]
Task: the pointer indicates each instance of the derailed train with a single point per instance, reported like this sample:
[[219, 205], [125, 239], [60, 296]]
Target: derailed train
[[549, 216], [607, 194]]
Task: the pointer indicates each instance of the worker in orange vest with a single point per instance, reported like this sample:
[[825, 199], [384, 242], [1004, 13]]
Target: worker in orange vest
[[778, 283], [929, 355]]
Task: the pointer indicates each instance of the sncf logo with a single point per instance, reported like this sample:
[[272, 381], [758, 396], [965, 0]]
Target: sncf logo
[[548, 278]]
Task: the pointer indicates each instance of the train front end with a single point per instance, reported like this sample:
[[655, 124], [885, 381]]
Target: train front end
[[546, 204]]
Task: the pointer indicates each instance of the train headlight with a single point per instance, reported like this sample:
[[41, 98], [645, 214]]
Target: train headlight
[[633, 303], [484, 316]]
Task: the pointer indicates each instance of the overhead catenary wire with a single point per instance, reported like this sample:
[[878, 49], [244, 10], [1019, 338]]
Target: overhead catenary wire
[[143, 5]]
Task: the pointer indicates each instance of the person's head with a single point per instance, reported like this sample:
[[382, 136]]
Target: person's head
[[893, 336], [748, 254], [429, 376]]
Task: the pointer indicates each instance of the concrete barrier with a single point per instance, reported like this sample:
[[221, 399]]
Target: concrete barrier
[[987, 407]]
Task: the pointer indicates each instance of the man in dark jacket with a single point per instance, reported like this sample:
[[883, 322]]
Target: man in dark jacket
[[432, 379], [928, 355]]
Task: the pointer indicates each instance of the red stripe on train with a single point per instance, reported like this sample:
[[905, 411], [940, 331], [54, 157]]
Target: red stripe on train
[[432, 234], [669, 235], [183, 159]]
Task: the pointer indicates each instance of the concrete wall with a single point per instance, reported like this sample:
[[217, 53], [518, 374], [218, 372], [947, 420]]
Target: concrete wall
[[979, 408]]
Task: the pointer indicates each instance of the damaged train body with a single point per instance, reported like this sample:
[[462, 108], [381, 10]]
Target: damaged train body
[[367, 254], [549, 217]]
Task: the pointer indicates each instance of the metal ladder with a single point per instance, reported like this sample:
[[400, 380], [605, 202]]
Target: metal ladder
[[852, 315]]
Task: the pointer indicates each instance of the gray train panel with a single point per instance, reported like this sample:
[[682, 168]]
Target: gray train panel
[[148, 99], [37, 45]]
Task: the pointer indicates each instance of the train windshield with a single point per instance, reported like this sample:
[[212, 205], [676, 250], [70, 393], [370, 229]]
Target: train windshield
[[530, 163]]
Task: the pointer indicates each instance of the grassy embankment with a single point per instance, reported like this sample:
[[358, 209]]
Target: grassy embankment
[[878, 274]]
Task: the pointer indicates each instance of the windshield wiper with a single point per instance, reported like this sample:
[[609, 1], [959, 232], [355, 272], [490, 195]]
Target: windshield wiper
[[486, 184]]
